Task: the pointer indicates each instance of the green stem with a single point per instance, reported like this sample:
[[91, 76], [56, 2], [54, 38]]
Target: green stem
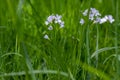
[[97, 45], [87, 44], [16, 46], [116, 40], [88, 50]]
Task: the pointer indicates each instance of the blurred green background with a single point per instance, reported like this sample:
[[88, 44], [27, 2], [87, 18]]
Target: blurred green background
[[23, 47]]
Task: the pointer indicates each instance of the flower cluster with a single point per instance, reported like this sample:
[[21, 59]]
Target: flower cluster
[[95, 16], [92, 13], [53, 19]]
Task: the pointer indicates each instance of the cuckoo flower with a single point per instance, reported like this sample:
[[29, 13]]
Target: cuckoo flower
[[95, 16], [85, 12], [82, 21], [46, 37], [110, 18], [55, 19]]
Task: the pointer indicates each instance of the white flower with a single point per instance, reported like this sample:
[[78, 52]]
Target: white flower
[[98, 19], [82, 21], [58, 17], [46, 22], [50, 18], [46, 37], [93, 14], [110, 18], [107, 18], [59, 21], [54, 19], [50, 28], [61, 24], [85, 12], [103, 20]]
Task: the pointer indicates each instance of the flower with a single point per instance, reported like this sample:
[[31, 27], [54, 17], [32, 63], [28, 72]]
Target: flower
[[50, 28], [110, 18], [54, 19], [97, 20], [85, 12], [103, 20], [46, 37], [91, 16], [46, 22], [58, 17], [82, 21], [93, 13], [95, 16], [61, 24], [50, 18]]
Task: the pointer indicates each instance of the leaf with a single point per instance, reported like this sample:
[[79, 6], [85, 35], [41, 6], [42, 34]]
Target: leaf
[[28, 62], [12, 53], [102, 50], [34, 72]]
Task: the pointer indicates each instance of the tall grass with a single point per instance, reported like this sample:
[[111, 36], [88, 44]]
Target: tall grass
[[75, 52]]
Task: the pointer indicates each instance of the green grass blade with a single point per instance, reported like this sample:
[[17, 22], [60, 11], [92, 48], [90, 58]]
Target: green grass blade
[[28, 62], [102, 50], [95, 71], [35, 72], [71, 76], [11, 53]]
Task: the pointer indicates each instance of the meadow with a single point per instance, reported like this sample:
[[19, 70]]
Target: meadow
[[59, 40]]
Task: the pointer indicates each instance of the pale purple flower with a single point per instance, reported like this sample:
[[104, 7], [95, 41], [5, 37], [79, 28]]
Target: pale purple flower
[[82, 21], [107, 18], [50, 18], [46, 37], [103, 20], [54, 19], [61, 24], [50, 28], [58, 17], [110, 18], [97, 20], [93, 14], [58, 21], [85, 12]]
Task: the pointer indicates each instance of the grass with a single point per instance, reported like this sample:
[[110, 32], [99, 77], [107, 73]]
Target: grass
[[75, 52]]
